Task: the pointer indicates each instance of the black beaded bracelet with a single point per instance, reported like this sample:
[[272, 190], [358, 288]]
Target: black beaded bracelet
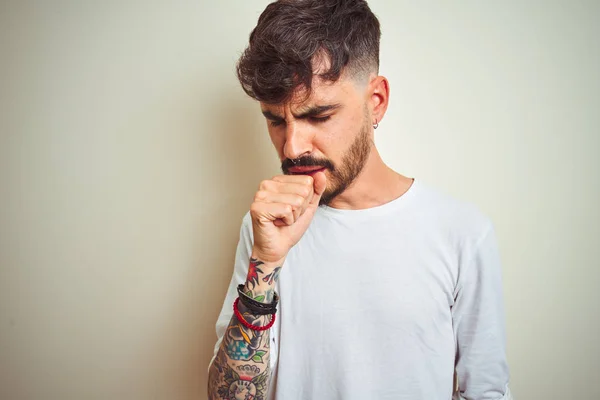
[[256, 307]]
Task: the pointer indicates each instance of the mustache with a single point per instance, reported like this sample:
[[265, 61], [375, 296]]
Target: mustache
[[306, 161]]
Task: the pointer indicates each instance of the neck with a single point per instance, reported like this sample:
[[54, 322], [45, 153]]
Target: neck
[[377, 184]]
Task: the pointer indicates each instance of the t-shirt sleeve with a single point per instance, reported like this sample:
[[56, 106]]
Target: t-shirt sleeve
[[240, 270], [479, 326]]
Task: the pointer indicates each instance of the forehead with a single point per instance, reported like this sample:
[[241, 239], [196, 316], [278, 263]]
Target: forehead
[[323, 92]]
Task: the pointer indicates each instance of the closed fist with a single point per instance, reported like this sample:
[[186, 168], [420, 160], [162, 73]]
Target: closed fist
[[282, 210]]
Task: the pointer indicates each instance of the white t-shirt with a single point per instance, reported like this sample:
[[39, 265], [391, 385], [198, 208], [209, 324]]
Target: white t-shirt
[[385, 303]]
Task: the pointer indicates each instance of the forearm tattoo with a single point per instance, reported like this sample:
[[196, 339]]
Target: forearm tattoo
[[241, 368]]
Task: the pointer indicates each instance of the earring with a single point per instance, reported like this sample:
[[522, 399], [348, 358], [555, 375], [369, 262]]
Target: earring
[[376, 125]]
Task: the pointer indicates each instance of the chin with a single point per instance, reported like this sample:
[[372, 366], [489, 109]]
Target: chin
[[326, 198]]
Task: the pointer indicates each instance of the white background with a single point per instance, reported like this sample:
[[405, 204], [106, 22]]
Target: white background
[[129, 154]]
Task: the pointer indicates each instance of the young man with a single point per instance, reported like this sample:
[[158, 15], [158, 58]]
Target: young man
[[351, 281]]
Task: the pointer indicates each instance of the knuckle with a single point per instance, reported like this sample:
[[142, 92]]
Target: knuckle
[[298, 201], [305, 191], [264, 185], [308, 180], [261, 195]]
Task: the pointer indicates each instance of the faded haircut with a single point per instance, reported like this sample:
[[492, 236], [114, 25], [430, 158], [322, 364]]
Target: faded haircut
[[293, 35]]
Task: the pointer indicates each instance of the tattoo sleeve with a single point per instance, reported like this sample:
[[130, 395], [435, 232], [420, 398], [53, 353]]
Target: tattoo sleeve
[[241, 368]]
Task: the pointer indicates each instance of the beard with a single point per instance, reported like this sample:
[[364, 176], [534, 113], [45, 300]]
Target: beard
[[341, 176]]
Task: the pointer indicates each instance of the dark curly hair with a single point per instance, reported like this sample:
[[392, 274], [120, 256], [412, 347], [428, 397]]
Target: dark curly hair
[[292, 34]]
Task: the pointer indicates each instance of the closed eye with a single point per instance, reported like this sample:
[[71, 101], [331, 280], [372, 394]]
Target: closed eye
[[276, 122], [319, 120]]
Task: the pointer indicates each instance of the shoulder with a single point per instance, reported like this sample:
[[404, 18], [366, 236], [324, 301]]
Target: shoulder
[[247, 224], [459, 219], [246, 234]]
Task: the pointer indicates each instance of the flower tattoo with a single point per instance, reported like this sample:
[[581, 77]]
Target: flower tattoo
[[253, 271]]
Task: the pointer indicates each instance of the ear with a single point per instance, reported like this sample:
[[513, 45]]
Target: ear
[[379, 96]]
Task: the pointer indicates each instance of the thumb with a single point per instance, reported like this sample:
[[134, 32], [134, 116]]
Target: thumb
[[320, 183]]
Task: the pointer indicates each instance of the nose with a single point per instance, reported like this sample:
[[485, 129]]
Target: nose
[[297, 142]]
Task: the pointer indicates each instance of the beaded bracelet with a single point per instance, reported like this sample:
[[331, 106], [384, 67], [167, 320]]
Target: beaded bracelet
[[256, 306], [247, 324]]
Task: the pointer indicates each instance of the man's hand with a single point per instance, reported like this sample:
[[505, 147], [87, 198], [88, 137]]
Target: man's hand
[[281, 212]]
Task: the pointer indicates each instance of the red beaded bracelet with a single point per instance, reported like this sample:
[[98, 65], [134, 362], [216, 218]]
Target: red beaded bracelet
[[247, 324]]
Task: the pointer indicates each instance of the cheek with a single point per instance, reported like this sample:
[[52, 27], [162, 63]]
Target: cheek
[[335, 140]]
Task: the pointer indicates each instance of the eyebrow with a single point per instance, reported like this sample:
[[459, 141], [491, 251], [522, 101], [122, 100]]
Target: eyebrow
[[310, 112]]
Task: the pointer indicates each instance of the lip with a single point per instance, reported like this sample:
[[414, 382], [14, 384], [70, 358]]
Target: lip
[[306, 170]]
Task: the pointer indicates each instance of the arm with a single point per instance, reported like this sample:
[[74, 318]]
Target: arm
[[478, 319], [241, 366], [280, 214]]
